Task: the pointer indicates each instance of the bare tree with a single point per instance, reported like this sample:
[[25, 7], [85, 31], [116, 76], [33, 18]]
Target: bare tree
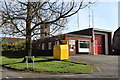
[[24, 18]]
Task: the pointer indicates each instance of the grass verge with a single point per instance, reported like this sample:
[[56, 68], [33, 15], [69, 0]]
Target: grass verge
[[46, 65]]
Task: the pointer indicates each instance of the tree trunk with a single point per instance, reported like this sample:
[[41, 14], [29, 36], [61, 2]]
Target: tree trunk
[[28, 43], [28, 49], [28, 33]]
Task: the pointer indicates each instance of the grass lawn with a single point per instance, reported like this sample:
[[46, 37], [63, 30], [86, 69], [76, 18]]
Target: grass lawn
[[47, 65]]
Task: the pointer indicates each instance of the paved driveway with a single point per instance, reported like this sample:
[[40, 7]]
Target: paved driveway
[[106, 66]]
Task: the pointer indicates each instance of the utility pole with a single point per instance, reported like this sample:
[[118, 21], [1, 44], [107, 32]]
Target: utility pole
[[89, 16], [78, 19], [92, 19]]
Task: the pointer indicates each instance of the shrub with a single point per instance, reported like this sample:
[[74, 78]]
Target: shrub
[[13, 46]]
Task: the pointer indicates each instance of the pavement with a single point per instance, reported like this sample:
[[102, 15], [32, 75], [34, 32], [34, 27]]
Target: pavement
[[105, 67]]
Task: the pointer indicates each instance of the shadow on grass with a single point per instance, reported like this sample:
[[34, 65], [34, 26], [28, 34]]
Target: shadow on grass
[[48, 60], [13, 57], [66, 61], [10, 63]]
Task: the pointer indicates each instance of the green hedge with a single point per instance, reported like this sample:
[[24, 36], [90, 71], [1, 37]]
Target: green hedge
[[13, 46]]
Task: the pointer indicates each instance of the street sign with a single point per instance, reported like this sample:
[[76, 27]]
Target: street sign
[[29, 56], [27, 61]]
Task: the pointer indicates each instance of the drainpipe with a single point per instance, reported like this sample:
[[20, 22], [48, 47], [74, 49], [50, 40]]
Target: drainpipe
[[93, 38]]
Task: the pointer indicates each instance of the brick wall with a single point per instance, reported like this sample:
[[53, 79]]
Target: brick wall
[[76, 44]]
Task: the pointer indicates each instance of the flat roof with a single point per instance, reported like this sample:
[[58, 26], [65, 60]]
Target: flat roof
[[95, 29], [98, 29], [73, 35]]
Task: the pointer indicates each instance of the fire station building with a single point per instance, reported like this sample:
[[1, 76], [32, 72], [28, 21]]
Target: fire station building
[[88, 41]]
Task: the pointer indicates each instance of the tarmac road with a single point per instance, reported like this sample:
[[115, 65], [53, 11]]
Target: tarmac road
[[106, 67]]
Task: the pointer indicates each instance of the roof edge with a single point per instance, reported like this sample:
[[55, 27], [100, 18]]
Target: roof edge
[[73, 35]]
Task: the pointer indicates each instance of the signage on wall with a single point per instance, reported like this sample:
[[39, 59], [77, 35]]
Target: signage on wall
[[72, 45], [72, 48], [71, 42]]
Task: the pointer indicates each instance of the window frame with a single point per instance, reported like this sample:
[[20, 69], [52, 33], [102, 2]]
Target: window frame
[[49, 45], [87, 49], [57, 42], [40, 46], [43, 46], [84, 45]]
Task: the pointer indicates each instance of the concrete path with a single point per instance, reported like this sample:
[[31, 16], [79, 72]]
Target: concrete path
[[106, 67]]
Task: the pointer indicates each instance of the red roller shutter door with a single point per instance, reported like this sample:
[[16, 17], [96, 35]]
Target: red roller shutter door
[[99, 44]]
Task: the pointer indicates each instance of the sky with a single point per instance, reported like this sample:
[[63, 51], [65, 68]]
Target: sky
[[105, 17]]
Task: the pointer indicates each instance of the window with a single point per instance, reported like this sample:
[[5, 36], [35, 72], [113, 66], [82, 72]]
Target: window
[[84, 44], [49, 45], [43, 46], [39, 46], [57, 43]]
